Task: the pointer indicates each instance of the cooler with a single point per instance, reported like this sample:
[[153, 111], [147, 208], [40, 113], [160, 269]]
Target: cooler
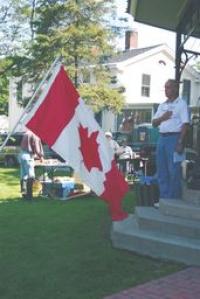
[[58, 189]]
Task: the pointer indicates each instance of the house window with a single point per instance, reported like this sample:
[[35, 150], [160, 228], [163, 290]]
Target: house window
[[145, 90], [162, 62], [113, 80]]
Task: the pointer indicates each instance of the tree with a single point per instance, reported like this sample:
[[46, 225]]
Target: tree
[[15, 28], [4, 96], [4, 84], [76, 31]]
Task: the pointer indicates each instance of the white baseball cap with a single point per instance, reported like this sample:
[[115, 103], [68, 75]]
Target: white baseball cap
[[109, 134]]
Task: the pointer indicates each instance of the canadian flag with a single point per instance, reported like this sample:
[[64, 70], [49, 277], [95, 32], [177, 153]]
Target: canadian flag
[[63, 121]]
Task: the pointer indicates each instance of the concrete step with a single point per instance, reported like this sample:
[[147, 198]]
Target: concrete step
[[127, 235], [151, 219], [179, 208], [191, 196]]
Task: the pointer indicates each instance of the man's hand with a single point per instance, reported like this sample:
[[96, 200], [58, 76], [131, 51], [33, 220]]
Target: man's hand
[[157, 121], [167, 115], [179, 147]]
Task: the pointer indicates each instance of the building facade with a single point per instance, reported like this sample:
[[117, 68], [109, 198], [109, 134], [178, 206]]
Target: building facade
[[143, 72]]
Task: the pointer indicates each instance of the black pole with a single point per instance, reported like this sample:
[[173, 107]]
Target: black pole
[[178, 56], [76, 58]]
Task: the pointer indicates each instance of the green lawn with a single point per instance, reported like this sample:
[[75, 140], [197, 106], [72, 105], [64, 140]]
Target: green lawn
[[51, 249]]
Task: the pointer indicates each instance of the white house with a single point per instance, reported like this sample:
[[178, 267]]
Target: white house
[[143, 72], [17, 90], [3, 123], [14, 109]]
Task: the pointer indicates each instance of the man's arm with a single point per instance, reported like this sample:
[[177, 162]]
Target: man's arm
[[181, 141], [184, 116], [37, 147], [157, 121]]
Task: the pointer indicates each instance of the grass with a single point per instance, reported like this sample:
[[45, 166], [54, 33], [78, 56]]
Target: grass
[[62, 250]]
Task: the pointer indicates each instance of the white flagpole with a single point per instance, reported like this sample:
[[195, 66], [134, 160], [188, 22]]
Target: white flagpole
[[30, 102]]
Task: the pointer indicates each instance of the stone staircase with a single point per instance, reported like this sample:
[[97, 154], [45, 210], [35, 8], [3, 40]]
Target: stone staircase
[[171, 232]]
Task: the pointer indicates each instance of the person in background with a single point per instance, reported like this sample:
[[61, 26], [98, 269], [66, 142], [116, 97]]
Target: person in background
[[172, 118], [113, 144], [125, 156], [31, 148]]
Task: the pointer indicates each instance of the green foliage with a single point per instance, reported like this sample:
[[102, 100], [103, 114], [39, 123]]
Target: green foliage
[[197, 66], [74, 30], [14, 27], [40, 31], [4, 95], [5, 64], [100, 95], [70, 29]]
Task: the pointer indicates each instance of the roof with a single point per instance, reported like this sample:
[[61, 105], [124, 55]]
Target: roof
[[169, 14], [130, 54]]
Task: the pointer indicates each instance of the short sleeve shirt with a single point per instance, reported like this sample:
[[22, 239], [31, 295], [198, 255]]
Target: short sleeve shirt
[[179, 116]]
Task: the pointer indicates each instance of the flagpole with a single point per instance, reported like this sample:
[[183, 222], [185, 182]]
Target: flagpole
[[30, 102]]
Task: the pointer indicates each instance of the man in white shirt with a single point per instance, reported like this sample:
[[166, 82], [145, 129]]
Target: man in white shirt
[[173, 120]]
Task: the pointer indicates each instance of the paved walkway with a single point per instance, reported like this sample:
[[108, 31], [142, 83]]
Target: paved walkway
[[181, 285]]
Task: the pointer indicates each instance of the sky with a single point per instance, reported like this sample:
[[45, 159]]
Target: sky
[[148, 35]]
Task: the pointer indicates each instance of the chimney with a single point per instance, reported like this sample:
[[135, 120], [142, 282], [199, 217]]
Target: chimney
[[131, 40]]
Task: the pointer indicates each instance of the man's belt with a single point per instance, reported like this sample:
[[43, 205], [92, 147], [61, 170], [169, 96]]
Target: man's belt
[[169, 134]]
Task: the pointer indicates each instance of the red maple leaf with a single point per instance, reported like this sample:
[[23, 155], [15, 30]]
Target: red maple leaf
[[89, 149]]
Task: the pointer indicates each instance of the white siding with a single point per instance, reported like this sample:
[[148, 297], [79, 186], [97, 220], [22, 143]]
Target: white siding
[[14, 110], [130, 71], [108, 121], [131, 78]]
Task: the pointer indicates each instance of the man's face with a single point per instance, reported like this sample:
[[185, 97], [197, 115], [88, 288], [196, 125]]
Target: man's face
[[171, 90], [108, 137]]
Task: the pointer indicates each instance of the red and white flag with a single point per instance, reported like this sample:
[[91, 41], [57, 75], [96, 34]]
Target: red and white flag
[[63, 121]]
